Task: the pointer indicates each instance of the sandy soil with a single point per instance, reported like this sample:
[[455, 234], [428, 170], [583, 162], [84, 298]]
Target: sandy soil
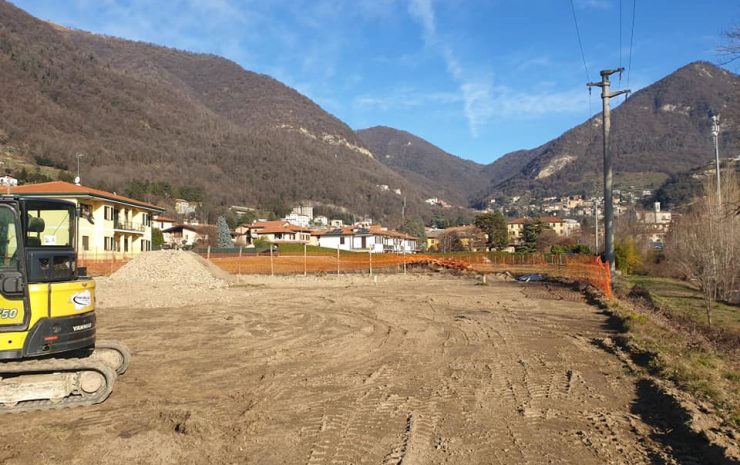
[[409, 370]]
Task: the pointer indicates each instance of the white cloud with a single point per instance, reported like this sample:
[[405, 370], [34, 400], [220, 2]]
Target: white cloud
[[422, 11], [405, 98], [593, 4], [482, 102], [474, 90]]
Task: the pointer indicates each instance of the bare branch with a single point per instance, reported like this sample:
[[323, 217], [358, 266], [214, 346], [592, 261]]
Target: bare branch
[[731, 49]]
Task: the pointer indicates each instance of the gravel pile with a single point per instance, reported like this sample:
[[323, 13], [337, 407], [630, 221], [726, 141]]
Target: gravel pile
[[175, 268], [167, 278]]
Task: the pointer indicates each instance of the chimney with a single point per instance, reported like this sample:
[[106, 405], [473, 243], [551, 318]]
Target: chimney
[[657, 207]]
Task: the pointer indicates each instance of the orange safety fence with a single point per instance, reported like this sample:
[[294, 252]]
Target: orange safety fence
[[584, 268]]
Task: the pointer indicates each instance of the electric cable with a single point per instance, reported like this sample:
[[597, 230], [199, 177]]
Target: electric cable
[[580, 43], [632, 37]]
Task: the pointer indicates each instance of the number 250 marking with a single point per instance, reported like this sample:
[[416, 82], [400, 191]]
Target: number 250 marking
[[8, 314]]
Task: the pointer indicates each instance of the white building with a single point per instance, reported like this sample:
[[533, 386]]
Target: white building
[[571, 227], [373, 239], [298, 219], [8, 181], [655, 223], [304, 211], [184, 207]]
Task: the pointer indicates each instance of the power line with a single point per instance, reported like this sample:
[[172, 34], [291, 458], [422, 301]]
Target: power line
[[632, 37], [620, 33], [580, 43]]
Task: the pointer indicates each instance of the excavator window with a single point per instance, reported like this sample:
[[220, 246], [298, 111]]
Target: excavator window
[[49, 237], [8, 239], [49, 224]]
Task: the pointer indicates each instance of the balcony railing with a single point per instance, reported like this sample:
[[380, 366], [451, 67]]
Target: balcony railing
[[129, 226]]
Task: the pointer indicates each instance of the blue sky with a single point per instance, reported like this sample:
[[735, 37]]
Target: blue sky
[[476, 78]]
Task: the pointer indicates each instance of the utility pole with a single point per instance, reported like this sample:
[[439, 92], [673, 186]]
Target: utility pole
[[403, 211], [608, 200], [596, 222], [715, 134]]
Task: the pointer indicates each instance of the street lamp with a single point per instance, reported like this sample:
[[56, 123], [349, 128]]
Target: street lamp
[[78, 156], [715, 134]]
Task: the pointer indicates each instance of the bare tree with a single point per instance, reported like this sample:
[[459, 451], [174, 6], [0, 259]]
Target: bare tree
[[731, 49], [704, 243], [450, 242]]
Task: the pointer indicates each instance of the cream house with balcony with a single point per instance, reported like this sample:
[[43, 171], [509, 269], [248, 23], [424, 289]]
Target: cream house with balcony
[[110, 225]]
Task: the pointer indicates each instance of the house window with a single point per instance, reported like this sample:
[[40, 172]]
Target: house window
[[108, 243], [108, 213], [86, 212], [85, 242], [341, 241]]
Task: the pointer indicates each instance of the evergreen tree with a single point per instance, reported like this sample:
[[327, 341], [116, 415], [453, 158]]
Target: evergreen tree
[[157, 238], [224, 236], [532, 230], [494, 226]]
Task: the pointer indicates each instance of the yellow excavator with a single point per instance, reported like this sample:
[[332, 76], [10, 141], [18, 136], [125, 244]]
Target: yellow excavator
[[48, 354]]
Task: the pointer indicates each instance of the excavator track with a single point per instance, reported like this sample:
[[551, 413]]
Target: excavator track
[[114, 354], [75, 371]]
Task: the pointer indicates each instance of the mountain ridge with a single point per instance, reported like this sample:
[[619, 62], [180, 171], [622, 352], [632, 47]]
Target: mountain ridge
[[141, 112], [661, 130], [144, 112]]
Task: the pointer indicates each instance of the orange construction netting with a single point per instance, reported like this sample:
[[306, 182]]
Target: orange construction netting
[[577, 267]]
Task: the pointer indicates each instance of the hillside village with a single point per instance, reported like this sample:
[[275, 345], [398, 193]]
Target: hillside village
[[121, 226]]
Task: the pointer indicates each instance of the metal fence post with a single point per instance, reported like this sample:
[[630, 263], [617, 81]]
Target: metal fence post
[[337, 260], [272, 265], [208, 253], [370, 253], [305, 260]]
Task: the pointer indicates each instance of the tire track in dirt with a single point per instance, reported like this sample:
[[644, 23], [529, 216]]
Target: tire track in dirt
[[411, 371]]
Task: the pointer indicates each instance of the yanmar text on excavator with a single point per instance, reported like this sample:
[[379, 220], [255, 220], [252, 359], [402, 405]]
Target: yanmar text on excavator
[[48, 354]]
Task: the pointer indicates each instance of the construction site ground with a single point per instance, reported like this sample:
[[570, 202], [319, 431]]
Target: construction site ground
[[400, 369]]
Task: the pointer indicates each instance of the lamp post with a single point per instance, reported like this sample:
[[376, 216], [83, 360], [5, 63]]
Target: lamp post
[[715, 134], [78, 156]]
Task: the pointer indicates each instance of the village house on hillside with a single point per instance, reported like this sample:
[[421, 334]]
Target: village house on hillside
[[654, 225], [110, 224], [373, 238], [277, 231], [465, 237], [190, 235], [563, 227]]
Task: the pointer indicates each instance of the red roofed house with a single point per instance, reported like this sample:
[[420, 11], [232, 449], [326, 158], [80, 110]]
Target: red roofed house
[[278, 231], [110, 224]]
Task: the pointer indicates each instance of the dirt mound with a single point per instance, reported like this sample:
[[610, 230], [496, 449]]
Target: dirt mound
[[167, 278], [172, 266]]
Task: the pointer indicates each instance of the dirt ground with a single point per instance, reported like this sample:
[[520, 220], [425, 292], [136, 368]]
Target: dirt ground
[[417, 369]]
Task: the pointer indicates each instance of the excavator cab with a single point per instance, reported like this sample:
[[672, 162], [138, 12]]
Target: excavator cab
[[48, 353]]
